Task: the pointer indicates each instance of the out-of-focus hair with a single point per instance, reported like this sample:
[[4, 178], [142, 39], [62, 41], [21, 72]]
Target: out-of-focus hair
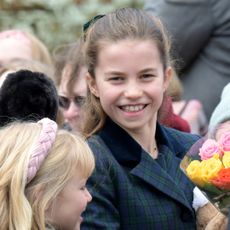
[[27, 95], [39, 51], [69, 59], [17, 64], [175, 88]]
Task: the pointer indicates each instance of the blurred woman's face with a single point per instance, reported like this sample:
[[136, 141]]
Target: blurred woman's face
[[71, 103]]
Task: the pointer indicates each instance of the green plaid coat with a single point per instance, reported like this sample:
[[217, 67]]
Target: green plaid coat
[[133, 191]]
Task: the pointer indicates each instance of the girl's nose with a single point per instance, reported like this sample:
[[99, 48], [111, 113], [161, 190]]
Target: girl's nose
[[133, 91]]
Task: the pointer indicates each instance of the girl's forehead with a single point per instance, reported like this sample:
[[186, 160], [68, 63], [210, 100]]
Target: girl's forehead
[[125, 51], [126, 41], [127, 44]]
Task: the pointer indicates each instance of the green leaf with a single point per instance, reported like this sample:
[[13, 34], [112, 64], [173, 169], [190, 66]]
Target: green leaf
[[211, 190]]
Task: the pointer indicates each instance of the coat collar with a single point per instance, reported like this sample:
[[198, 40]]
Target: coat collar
[[124, 148]]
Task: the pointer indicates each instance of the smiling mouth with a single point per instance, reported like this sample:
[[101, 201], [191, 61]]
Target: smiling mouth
[[132, 108]]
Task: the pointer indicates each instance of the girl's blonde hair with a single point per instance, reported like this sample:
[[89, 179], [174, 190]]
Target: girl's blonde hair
[[23, 206], [122, 24]]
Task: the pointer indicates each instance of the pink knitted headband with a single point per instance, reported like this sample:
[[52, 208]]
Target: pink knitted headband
[[41, 150]]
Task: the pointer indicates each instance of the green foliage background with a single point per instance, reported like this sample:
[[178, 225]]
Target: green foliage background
[[56, 22]]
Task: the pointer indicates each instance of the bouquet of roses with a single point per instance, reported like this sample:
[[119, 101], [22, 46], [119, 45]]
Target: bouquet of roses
[[210, 171]]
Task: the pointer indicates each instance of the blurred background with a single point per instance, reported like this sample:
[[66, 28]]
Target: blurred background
[[56, 22]]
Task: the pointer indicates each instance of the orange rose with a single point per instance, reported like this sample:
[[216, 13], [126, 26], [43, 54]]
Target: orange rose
[[222, 180]]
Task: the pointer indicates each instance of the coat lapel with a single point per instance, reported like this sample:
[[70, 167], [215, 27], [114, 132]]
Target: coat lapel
[[152, 173]]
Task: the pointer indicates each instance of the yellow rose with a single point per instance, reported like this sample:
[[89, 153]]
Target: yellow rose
[[210, 168], [226, 159], [193, 171]]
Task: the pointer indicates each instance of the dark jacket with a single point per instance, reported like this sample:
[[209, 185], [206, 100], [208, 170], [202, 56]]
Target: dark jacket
[[131, 190]]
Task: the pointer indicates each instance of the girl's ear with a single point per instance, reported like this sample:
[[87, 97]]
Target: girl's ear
[[92, 85], [168, 77]]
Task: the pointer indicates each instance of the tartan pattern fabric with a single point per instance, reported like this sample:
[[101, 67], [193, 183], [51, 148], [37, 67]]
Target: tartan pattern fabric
[[147, 194]]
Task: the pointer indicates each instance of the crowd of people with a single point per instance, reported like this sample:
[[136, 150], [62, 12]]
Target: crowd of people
[[93, 135]]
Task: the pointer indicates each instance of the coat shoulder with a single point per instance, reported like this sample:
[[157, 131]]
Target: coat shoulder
[[180, 142]]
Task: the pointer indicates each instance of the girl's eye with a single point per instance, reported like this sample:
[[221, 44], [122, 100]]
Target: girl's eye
[[117, 79], [147, 76]]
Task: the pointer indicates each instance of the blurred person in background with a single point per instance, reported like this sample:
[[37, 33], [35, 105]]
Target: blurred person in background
[[19, 50], [179, 114], [27, 96], [71, 82], [200, 32], [220, 120], [16, 64], [17, 43]]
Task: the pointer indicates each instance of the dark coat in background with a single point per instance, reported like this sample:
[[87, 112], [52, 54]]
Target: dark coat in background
[[200, 32]]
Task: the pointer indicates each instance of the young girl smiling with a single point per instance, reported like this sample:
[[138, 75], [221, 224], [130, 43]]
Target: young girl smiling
[[137, 183]]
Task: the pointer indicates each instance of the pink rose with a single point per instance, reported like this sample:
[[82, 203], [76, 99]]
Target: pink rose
[[209, 148], [224, 142]]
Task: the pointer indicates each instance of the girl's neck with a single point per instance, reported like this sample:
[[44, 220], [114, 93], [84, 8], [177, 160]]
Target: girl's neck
[[146, 138]]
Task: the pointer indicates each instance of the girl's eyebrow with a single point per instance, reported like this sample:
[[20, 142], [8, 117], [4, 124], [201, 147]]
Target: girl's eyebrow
[[148, 70], [113, 72], [116, 72]]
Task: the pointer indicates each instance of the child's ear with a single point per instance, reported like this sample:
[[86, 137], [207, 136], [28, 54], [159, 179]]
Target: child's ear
[[34, 193], [168, 76], [92, 85]]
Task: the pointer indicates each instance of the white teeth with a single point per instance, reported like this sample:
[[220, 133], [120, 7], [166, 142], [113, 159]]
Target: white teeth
[[132, 108]]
